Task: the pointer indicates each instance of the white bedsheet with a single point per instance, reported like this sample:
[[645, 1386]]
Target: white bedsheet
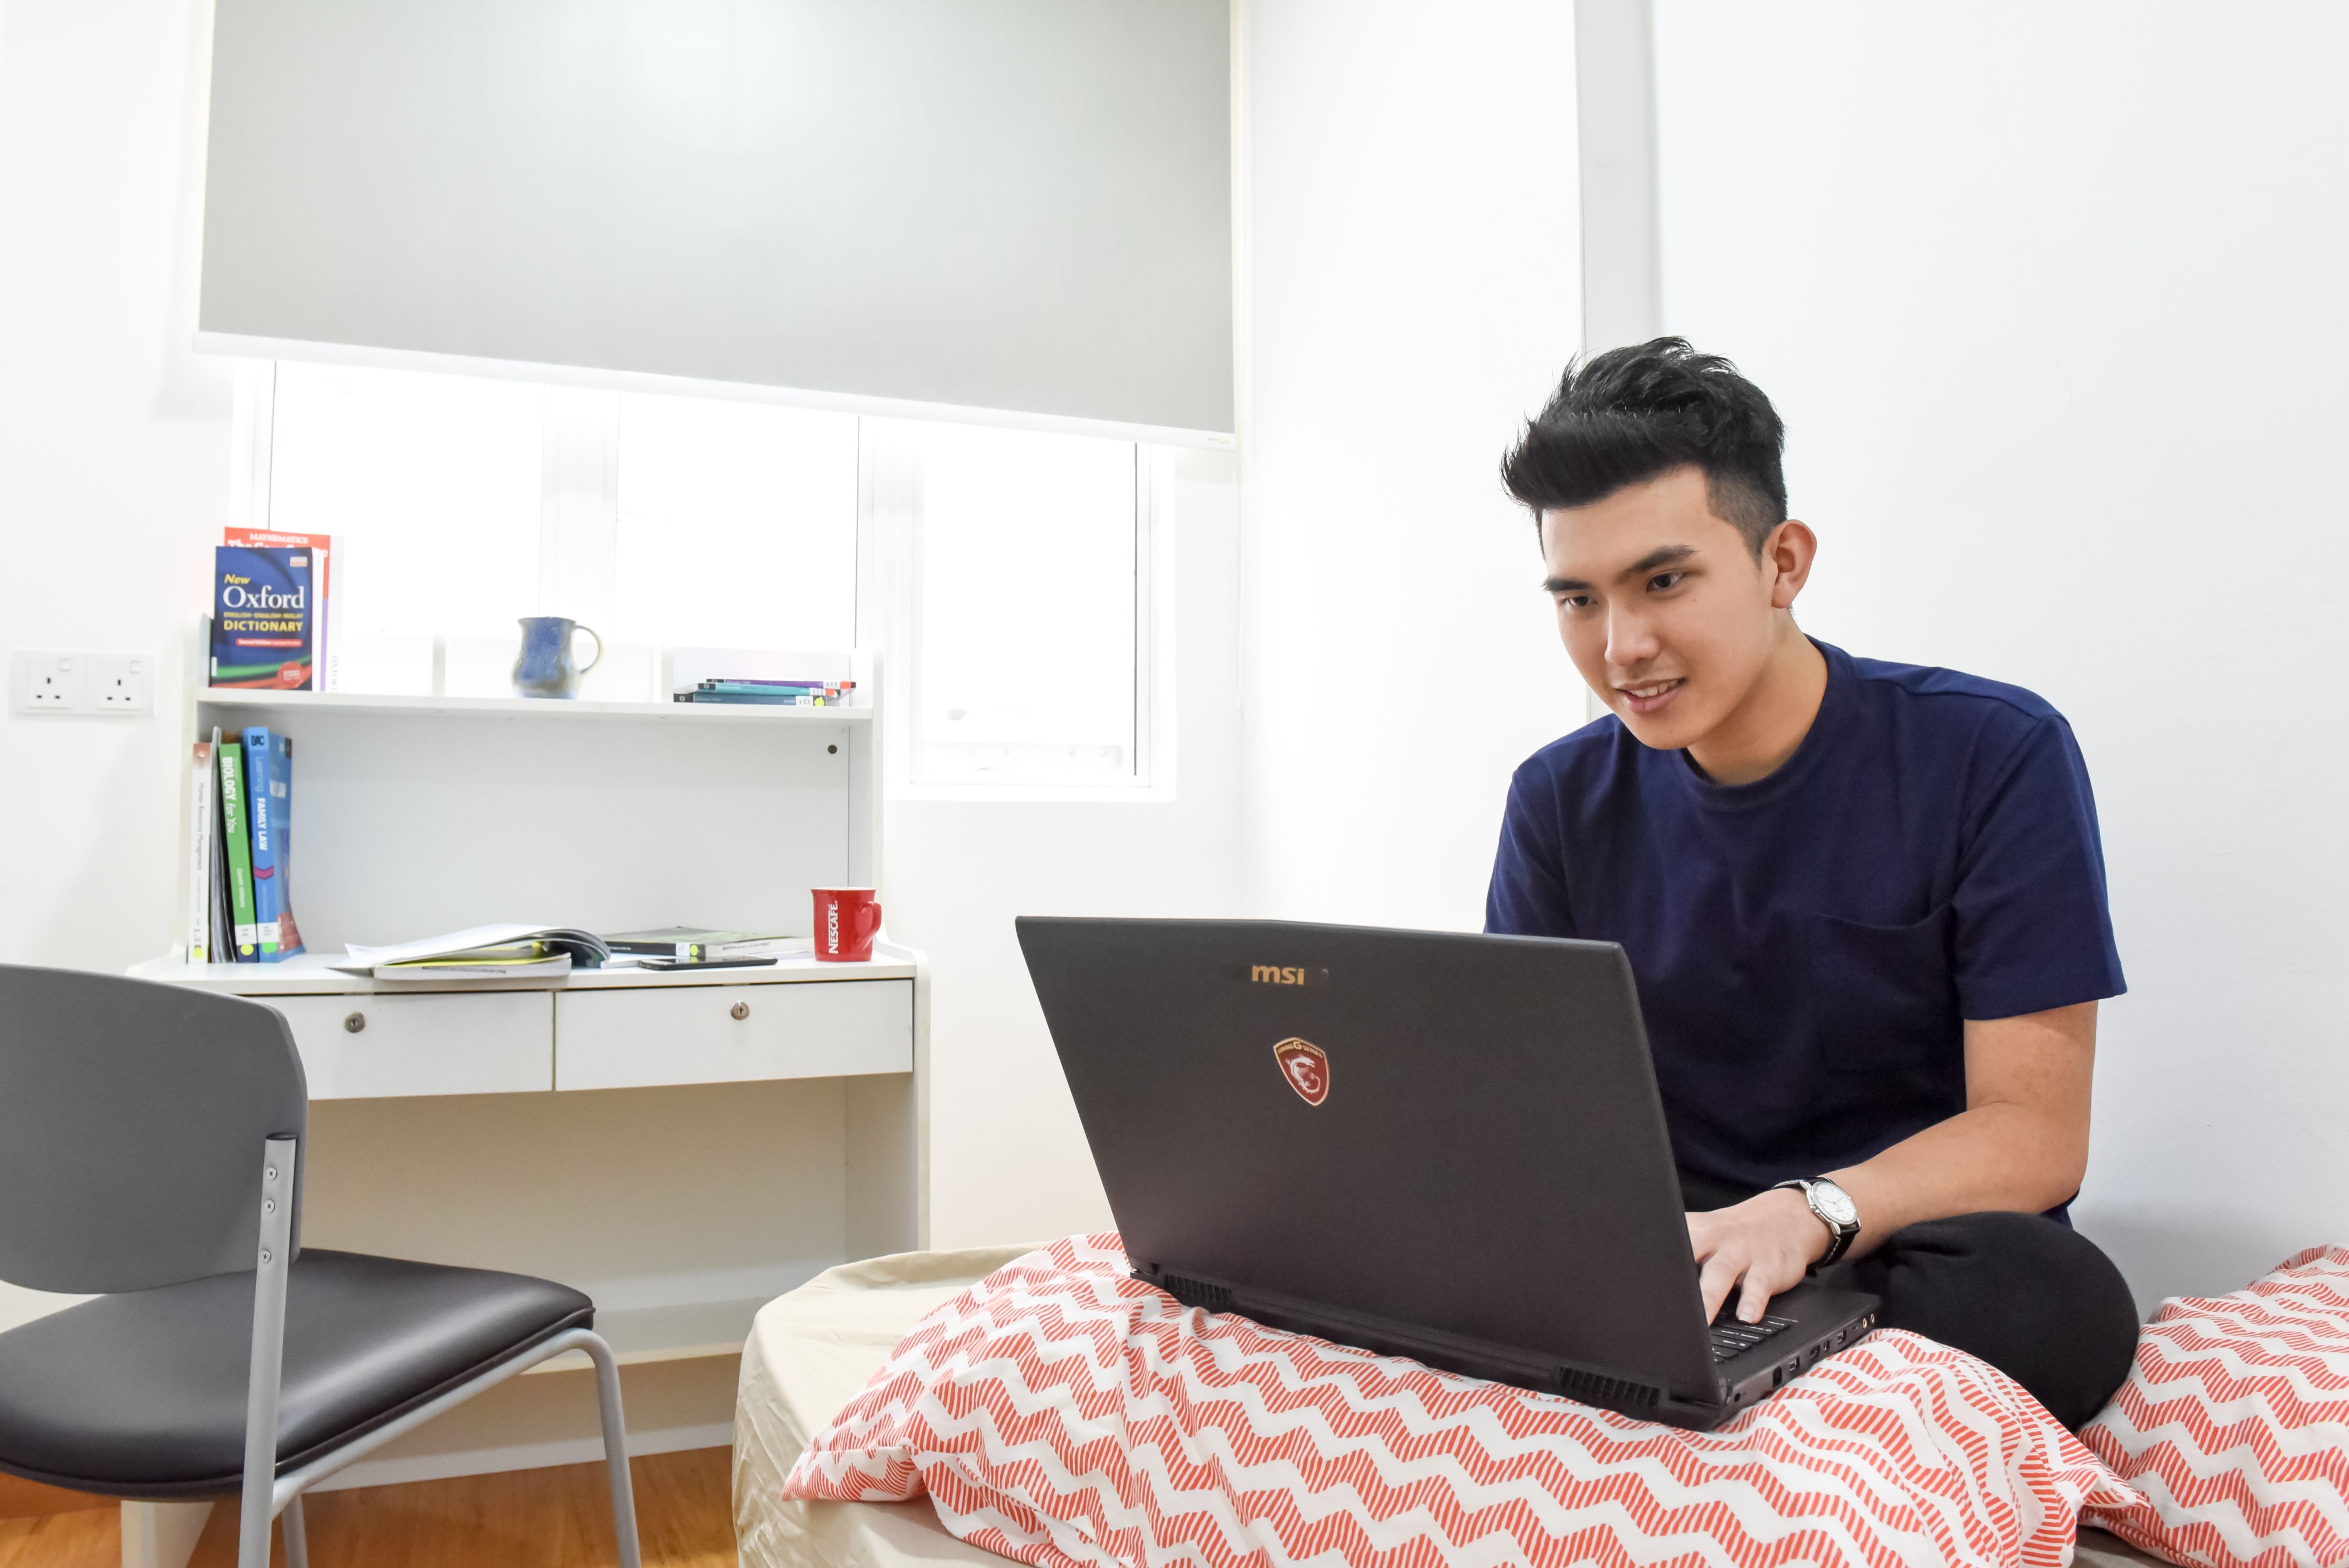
[[809, 1353]]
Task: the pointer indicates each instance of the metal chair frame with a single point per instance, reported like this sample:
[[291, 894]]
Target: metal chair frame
[[269, 1495], [128, 1110]]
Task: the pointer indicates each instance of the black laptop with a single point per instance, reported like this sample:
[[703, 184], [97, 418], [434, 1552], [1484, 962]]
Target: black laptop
[[1428, 1144]]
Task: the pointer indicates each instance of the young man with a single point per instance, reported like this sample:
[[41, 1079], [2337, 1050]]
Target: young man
[[1865, 901]]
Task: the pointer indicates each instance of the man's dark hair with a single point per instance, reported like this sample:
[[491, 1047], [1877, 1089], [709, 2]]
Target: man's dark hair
[[1631, 415]]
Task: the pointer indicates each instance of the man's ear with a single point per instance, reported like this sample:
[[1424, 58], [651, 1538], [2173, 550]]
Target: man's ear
[[1789, 552]]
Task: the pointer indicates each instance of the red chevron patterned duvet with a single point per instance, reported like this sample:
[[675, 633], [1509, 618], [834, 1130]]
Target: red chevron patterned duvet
[[2235, 1423], [1062, 1413]]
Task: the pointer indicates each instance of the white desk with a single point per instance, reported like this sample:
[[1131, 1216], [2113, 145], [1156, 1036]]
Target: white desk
[[593, 1028], [856, 1032], [682, 1146], [855, 1029]]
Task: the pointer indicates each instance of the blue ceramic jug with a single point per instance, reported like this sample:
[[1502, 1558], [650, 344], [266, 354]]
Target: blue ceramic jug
[[546, 667]]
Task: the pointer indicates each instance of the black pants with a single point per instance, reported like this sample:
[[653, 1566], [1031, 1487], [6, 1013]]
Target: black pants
[[2035, 1299]]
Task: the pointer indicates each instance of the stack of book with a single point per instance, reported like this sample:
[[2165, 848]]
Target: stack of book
[[240, 837], [270, 597], [770, 694], [549, 952], [700, 947]]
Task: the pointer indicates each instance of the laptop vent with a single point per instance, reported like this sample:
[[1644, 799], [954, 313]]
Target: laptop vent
[[1595, 1389], [1197, 1292]]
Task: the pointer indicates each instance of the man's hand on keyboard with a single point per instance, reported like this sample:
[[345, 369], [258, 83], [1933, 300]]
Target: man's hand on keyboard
[[1757, 1249]]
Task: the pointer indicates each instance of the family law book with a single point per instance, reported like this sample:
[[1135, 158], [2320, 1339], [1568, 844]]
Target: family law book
[[269, 789]]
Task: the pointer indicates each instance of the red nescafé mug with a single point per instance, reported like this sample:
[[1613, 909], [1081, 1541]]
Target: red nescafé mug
[[846, 920]]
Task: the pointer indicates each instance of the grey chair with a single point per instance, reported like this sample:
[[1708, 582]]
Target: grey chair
[[150, 1155]]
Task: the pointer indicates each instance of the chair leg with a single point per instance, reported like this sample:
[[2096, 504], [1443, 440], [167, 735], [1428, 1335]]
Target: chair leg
[[161, 1535], [265, 1369], [615, 1451], [296, 1534]]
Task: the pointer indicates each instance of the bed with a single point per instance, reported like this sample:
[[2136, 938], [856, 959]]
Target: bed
[[809, 1353]]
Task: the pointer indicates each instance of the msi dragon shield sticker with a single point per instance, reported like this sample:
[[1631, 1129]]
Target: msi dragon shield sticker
[[1306, 1066]]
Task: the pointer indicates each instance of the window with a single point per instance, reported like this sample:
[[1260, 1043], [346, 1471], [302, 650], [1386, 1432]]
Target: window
[[459, 504], [737, 524], [1008, 572], [1024, 651], [429, 485]]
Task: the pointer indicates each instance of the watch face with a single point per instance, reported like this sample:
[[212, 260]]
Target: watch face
[[1834, 1203]]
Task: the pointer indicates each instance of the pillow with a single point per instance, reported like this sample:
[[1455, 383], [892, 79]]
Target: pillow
[[1061, 1412], [2234, 1424]]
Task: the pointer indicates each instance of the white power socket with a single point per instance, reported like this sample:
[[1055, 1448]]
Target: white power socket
[[118, 683], [47, 683], [110, 684]]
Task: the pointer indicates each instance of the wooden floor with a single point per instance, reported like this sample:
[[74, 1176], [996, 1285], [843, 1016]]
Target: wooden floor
[[556, 1518]]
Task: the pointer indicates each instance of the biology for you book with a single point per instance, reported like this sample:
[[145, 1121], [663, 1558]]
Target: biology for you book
[[236, 840]]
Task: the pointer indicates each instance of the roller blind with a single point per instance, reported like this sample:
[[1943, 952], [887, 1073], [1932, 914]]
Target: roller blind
[[1020, 206]]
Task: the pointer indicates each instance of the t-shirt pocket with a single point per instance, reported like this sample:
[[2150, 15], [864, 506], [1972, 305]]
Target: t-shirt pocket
[[1885, 1009]]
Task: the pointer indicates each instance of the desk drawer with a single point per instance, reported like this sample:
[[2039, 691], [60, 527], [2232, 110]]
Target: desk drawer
[[690, 1034], [480, 1042]]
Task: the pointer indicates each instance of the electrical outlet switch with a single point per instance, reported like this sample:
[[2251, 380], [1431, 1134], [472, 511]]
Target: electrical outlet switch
[[47, 683], [118, 683]]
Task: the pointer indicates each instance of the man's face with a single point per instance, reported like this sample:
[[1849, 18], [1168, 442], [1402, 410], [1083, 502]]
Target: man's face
[[1664, 608]]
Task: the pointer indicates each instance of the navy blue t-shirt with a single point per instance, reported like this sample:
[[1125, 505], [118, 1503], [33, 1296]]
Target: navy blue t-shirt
[[1807, 947]]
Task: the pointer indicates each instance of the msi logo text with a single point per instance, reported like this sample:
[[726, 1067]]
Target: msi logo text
[[1272, 975]]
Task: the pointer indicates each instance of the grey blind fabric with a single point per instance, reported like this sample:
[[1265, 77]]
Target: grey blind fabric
[[1005, 204]]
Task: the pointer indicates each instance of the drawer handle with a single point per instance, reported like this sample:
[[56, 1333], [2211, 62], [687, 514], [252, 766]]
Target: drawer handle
[[741, 1010], [354, 1023]]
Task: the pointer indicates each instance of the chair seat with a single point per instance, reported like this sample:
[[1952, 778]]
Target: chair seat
[[144, 1394]]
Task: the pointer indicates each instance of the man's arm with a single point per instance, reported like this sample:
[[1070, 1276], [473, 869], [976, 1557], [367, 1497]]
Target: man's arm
[[2021, 1143]]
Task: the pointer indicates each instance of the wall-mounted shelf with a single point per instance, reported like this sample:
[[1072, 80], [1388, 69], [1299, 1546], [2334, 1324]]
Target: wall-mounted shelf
[[262, 700], [418, 813]]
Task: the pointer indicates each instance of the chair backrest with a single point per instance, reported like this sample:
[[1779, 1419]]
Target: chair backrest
[[133, 1115]]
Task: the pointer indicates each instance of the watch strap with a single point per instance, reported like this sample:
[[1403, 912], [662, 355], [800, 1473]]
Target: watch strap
[[1839, 1236]]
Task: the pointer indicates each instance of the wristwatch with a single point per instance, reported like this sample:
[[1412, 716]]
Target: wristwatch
[[1835, 1209]]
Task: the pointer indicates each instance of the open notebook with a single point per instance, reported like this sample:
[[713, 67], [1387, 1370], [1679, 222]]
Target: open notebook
[[481, 952]]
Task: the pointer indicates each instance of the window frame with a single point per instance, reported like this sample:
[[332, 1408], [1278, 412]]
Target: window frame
[[579, 524], [889, 495]]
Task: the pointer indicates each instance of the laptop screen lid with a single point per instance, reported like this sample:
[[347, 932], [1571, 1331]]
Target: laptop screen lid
[[1453, 1131]]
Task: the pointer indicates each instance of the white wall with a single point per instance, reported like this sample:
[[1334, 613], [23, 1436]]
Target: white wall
[[1007, 1160], [2051, 297], [1414, 269], [113, 451], [114, 474], [2108, 234], [113, 457]]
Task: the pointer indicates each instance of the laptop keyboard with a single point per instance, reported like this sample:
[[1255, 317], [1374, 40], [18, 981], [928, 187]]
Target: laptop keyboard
[[1732, 1338]]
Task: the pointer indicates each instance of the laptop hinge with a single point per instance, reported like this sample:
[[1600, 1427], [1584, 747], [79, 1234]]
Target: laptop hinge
[[1449, 1353]]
